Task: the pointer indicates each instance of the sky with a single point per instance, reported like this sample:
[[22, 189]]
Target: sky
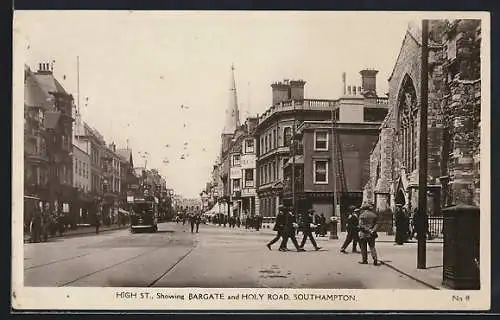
[[138, 68]]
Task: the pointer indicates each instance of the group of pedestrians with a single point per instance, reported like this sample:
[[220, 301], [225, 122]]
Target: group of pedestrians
[[45, 223], [362, 228], [286, 228]]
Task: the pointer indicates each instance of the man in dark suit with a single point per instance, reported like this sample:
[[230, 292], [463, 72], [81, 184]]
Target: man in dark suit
[[306, 222], [279, 227], [289, 233], [352, 231]]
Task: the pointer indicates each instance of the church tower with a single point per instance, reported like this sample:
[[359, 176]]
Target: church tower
[[232, 113]]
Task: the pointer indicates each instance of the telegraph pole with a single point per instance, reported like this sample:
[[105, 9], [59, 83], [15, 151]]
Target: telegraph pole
[[422, 173], [334, 168], [293, 162]]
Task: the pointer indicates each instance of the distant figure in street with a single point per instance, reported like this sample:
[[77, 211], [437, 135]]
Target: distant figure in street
[[352, 230], [401, 225], [368, 233], [192, 221], [36, 226], [421, 224], [97, 220], [289, 233], [322, 225], [197, 221], [316, 222], [307, 221], [279, 227]]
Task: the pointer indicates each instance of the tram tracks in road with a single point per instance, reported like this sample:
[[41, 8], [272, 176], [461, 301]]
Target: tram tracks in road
[[128, 260], [56, 261], [173, 266]]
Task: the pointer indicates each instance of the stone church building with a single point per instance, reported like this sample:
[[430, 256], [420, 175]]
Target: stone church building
[[454, 105]]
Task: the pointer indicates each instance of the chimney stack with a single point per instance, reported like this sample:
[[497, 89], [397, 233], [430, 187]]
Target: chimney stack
[[344, 90], [369, 82]]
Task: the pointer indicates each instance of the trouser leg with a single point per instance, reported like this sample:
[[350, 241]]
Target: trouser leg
[[294, 240], [304, 239], [373, 251], [313, 241], [355, 241], [364, 250], [284, 241], [275, 239], [347, 241]]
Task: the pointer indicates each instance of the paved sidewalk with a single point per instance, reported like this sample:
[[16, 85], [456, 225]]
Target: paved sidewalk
[[81, 231], [402, 259]]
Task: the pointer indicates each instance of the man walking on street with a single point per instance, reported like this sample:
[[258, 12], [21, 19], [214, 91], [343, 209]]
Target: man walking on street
[[368, 233], [352, 231], [198, 221], [289, 232], [279, 227], [306, 222]]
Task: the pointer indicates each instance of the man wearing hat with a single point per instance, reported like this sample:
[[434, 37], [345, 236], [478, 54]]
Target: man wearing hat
[[279, 227], [368, 233], [307, 221], [352, 230]]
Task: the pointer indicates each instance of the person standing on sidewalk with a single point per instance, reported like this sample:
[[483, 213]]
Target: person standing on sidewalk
[[307, 221], [352, 231], [368, 233], [279, 227], [97, 220], [400, 227], [289, 232]]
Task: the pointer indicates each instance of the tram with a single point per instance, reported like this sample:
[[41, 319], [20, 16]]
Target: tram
[[143, 215]]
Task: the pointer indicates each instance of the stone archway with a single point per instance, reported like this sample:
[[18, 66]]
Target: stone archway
[[400, 197]]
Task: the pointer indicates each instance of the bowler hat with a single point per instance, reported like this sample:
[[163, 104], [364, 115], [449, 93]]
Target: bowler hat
[[311, 211]]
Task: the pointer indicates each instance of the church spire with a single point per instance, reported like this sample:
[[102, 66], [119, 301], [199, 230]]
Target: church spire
[[232, 112]]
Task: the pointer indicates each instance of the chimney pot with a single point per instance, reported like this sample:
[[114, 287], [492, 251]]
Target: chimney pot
[[354, 90], [349, 90]]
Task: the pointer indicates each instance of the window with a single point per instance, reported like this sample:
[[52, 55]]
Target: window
[[236, 184], [236, 160], [320, 140], [320, 171], [287, 134], [262, 145], [266, 145], [273, 171], [265, 174], [273, 139], [249, 178], [249, 146]]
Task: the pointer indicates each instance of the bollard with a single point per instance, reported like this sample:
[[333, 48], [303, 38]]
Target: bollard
[[461, 247], [333, 229]]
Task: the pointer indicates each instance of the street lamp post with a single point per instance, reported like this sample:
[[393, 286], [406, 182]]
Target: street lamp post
[[293, 162], [422, 173]]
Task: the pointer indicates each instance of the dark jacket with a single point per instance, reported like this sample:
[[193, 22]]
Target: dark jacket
[[279, 225], [290, 220], [307, 220], [352, 223]]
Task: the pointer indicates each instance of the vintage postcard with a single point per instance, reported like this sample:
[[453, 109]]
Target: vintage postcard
[[190, 160]]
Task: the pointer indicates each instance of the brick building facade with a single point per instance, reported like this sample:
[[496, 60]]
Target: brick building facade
[[453, 122]]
